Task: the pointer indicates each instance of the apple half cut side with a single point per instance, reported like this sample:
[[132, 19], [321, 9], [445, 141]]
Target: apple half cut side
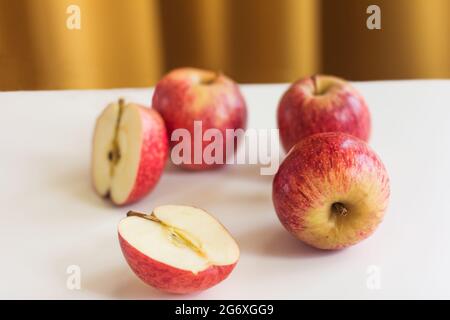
[[177, 249], [129, 152]]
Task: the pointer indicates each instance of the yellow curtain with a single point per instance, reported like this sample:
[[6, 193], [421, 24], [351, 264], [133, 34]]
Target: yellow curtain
[[123, 43]]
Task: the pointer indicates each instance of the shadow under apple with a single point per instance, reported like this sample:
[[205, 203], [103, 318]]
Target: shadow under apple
[[122, 283], [227, 187], [119, 283], [76, 182], [273, 240]]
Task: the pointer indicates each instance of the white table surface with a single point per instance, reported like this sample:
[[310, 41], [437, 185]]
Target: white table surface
[[51, 218]]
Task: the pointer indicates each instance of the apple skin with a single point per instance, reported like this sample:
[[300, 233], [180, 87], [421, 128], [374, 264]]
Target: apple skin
[[324, 169], [322, 104], [154, 154], [186, 95], [170, 279]]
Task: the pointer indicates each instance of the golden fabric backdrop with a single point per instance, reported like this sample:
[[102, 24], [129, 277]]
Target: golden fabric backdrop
[[132, 43]]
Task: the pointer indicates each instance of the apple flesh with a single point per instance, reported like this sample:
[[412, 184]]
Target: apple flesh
[[177, 249], [331, 191], [129, 152], [186, 95], [322, 104]]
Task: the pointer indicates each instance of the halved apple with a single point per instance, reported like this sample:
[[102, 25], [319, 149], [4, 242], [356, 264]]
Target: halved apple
[[178, 249], [129, 152]]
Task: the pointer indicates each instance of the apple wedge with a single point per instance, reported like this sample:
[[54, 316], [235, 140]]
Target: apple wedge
[[177, 249], [129, 152]]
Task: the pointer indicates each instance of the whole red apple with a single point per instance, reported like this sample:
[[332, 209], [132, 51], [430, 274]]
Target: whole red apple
[[331, 191], [322, 104], [178, 249], [129, 152], [210, 99]]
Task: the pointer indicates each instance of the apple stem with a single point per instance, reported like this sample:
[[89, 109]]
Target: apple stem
[[150, 217], [339, 209], [314, 79], [212, 79]]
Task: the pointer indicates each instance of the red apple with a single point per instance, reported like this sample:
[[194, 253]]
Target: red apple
[[129, 152], [186, 95], [178, 249], [331, 191], [322, 104]]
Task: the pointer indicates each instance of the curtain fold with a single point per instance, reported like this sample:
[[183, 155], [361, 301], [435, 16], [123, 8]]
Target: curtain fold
[[132, 43], [118, 44], [414, 41]]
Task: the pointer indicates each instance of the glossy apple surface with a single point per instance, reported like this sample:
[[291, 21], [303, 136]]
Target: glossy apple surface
[[331, 191], [129, 152], [178, 249], [186, 95], [322, 104]]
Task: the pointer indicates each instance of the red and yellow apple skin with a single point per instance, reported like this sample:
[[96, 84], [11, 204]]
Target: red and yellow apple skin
[[170, 279], [322, 104], [186, 95], [331, 191], [154, 153]]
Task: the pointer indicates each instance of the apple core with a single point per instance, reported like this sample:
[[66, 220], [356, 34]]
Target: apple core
[[178, 237]]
